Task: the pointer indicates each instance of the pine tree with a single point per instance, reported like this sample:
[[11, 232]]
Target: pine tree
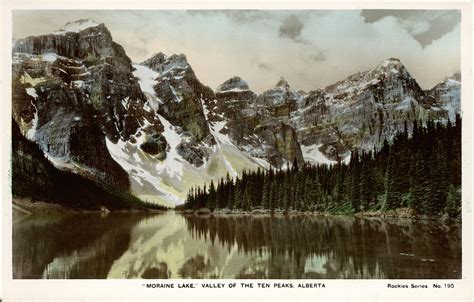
[[238, 196], [313, 193], [453, 204], [392, 196], [354, 182], [271, 199], [416, 190], [230, 196], [212, 196], [299, 190], [266, 193], [286, 202], [366, 184], [440, 179]]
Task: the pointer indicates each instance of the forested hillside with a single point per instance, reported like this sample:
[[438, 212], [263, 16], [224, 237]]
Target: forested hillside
[[421, 171]]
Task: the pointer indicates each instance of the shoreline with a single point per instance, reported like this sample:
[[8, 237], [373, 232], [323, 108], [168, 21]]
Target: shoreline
[[25, 206], [401, 213]]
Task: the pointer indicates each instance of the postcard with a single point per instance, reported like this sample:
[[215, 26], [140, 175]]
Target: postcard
[[266, 151]]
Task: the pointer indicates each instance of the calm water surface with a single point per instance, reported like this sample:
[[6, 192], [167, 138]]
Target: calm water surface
[[169, 245]]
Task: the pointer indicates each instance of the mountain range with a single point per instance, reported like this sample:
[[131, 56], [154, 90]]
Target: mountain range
[[152, 128]]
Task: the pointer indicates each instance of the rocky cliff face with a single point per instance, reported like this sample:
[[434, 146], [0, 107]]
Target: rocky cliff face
[[259, 125], [180, 94], [448, 95], [235, 106], [34, 177], [72, 88], [155, 128], [362, 110]]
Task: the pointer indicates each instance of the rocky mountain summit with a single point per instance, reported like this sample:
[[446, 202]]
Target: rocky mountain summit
[[72, 88], [180, 94], [153, 128], [253, 125], [363, 110], [448, 95]]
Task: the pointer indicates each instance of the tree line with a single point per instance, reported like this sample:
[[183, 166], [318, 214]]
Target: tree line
[[421, 171]]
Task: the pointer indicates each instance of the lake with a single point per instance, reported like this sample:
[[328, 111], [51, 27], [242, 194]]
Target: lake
[[170, 245]]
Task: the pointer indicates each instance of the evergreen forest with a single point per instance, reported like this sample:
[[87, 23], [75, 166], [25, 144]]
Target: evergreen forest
[[421, 171]]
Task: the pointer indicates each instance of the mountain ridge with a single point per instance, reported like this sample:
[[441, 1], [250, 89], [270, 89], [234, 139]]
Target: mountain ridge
[[81, 99]]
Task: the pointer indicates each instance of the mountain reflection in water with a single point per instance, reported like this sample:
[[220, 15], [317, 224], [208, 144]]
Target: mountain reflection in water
[[120, 245]]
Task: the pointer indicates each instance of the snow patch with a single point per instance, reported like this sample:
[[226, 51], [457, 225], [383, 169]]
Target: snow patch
[[125, 102], [146, 78], [261, 162], [405, 104], [76, 26], [177, 97], [30, 134], [31, 92], [164, 176], [124, 154], [50, 57], [220, 138], [78, 83], [233, 90], [173, 164], [216, 128], [312, 154]]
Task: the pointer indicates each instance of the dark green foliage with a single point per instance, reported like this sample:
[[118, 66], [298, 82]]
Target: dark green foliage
[[392, 193], [422, 172], [453, 205], [211, 197]]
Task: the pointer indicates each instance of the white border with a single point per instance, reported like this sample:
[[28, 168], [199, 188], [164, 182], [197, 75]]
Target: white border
[[132, 290]]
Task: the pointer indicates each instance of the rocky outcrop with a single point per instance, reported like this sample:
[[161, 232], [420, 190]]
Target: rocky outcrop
[[234, 84], [181, 94], [234, 103], [89, 43], [281, 143], [191, 153], [448, 95], [260, 125], [155, 145]]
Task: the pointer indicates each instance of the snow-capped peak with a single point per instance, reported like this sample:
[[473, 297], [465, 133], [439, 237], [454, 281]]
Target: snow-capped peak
[[157, 59], [161, 63], [178, 59], [390, 66], [391, 61], [77, 26], [456, 76]]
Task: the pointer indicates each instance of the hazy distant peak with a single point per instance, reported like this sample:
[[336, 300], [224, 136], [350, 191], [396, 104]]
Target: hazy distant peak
[[282, 83], [234, 83]]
